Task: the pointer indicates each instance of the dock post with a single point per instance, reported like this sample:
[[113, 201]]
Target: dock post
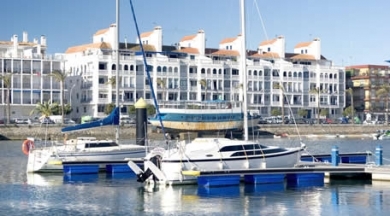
[[141, 121], [335, 156], [378, 155]]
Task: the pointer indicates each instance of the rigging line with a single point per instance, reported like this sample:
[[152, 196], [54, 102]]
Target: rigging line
[[147, 70], [280, 83]]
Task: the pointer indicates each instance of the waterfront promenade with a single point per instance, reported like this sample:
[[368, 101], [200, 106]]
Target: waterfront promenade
[[20, 132]]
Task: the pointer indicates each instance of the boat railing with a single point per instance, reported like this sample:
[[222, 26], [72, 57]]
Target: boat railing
[[199, 104]]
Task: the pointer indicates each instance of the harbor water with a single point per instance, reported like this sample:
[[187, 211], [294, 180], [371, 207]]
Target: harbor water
[[121, 194]]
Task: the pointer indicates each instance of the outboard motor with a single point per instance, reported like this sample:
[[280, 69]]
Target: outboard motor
[[142, 177]]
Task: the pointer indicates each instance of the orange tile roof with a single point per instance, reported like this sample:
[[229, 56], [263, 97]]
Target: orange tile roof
[[84, 47], [226, 53], [147, 47], [188, 50], [228, 40], [146, 34], [266, 55], [303, 44], [188, 37], [268, 42], [303, 56], [101, 31]]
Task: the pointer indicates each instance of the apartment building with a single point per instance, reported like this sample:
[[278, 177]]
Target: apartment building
[[272, 73], [30, 66], [367, 80]]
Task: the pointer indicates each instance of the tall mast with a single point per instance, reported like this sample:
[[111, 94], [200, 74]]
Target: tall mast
[[117, 69], [243, 69]]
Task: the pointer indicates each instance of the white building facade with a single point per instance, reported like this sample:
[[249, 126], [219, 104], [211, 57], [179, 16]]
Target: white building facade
[[182, 66], [30, 67]]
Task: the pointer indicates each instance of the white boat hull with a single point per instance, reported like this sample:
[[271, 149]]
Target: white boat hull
[[211, 154], [173, 170], [49, 159]]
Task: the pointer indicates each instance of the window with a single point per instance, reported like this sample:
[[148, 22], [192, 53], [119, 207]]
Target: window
[[192, 57]]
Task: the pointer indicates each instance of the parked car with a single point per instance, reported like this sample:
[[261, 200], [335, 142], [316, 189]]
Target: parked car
[[69, 121], [22, 121], [127, 120], [47, 121]]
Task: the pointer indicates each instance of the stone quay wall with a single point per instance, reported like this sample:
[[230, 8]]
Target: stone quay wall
[[21, 132]]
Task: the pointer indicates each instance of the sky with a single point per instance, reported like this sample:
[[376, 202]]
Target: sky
[[352, 32]]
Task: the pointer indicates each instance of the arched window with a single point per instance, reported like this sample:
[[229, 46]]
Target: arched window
[[164, 69], [300, 74], [158, 68], [175, 70], [202, 71], [214, 71], [284, 73], [255, 73], [170, 69], [131, 67], [295, 74], [335, 76], [113, 67], [126, 67]]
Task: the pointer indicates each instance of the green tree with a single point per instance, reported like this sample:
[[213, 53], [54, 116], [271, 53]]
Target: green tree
[[352, 109], [150, 109], [162, 84], [7, 79], [349, 112], [112, 82], [44, 109], [109, 108], [281, 88], [324, 112], [60, 76], [276, 112], [203, 83], [317, 92], [131, 109], [383, 92], [57, 109], [302, 113]]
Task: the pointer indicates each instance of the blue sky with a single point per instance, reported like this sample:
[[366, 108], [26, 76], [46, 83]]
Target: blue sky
[[352, 31]]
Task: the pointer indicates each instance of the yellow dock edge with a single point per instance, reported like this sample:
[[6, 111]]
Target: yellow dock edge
[[190, 172]]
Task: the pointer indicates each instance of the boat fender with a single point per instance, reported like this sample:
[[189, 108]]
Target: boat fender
[[27, 146]]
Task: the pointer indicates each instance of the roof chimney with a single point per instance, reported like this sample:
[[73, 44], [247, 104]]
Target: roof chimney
[[25, 37]]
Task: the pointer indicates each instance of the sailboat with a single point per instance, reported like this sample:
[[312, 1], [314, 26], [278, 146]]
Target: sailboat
[[50, 156], [175, 164]]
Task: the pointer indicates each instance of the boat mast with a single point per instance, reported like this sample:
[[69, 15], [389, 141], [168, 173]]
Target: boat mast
[[117, 69], [243, 69]]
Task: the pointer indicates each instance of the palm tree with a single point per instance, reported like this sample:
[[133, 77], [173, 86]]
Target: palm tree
[[203, 83], [317, 92], [60, 77], [280, 86], [7, 81], [161, 83], [112, 81], [44, 109], [384, 92], [350, 92]]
